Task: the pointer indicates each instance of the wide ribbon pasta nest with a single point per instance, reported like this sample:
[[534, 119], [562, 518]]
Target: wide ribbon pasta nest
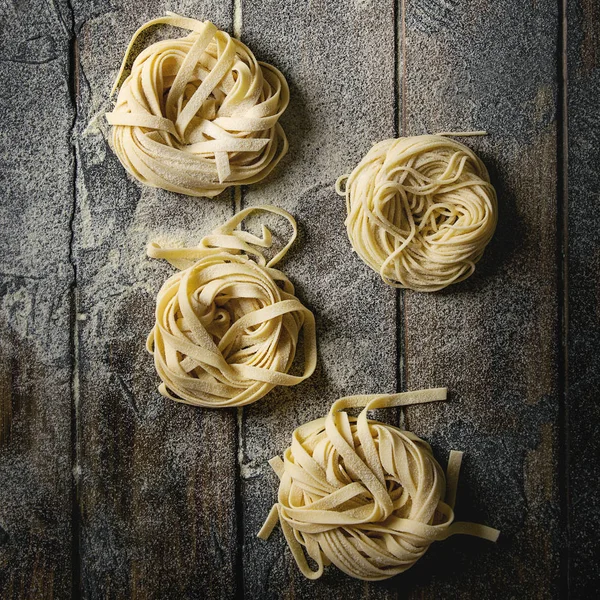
[[227, 327], [368, 497], [199, 113], [421, 210]]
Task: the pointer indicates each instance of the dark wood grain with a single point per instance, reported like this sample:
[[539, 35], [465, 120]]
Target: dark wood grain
[[583, 295], [343, 101], [36, 175], [493, 340], [157, 479], [107, 490]]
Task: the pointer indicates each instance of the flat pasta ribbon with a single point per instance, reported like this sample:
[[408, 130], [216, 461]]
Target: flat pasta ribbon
[[227, 327], [199, 113], [368, 497], [421, 210]]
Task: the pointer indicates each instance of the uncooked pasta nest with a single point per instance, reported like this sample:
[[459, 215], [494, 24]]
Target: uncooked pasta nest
[[421, 210], [368, 497], [199, 113], [227, 327]]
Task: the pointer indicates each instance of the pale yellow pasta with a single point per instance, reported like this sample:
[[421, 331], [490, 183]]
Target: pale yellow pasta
[[420, 210], [198, 113], [227, 327], [368, 497]]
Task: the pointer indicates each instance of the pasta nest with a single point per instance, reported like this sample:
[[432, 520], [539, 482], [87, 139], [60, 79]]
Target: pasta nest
[[365, 496], [199, 113], [420, 211], [227, 328]]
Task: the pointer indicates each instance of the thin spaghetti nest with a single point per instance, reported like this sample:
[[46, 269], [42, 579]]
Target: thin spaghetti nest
[[228, 327], [421, 211], [365, 496], [199, 113]]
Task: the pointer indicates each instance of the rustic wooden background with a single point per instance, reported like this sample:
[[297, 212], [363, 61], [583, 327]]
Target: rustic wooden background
[[107, 490]]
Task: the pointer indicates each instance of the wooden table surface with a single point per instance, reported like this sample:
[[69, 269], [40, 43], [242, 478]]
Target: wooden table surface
[[107, 490]]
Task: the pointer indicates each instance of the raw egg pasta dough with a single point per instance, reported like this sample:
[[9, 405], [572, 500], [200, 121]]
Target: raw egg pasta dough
[[227, 327], [368, 497], [420, 210], [198, 113]]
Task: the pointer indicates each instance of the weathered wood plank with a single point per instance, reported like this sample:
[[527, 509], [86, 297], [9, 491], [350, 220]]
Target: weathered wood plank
[[36, 170], [157, 479], [339, 61], [493, 339], [583, 285]]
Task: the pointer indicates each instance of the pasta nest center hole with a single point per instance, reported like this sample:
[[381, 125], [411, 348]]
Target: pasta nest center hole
[[222, 294]]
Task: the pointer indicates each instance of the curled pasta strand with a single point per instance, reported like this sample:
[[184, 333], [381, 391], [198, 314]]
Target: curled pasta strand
[[462, 133], [368, 497], [198, 114], [420, 210], [227, 328]]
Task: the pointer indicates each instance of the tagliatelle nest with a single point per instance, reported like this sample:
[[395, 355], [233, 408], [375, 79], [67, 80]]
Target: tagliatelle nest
[[421, 210], [368, 497], [199, 113], [227, 327]]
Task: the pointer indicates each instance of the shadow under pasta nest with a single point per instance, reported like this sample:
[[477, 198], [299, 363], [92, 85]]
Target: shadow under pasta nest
[[505, 242]]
